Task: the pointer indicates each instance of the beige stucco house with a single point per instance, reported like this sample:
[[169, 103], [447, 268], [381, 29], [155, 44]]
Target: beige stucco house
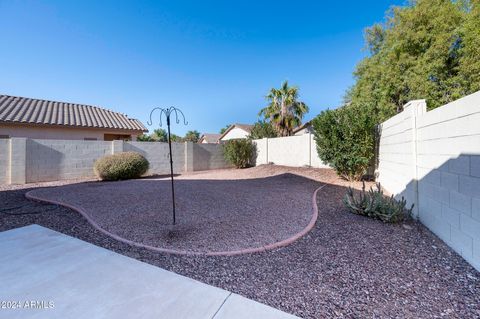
[[42, 119], [236, 131]]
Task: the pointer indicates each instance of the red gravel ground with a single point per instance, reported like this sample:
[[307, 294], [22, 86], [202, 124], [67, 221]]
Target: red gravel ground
[[213, 214], [348, 266]]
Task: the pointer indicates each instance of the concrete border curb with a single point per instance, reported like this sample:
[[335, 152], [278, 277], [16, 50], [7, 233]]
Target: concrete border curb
[[276, 245]]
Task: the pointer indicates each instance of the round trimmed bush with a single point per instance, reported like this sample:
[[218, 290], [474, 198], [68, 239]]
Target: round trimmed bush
[[119, 166]]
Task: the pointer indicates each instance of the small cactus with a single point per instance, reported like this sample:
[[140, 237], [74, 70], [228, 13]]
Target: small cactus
[[373, 203]]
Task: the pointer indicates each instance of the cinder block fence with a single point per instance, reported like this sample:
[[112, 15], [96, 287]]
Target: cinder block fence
[[296, 151], [24, 160], [433, 160]]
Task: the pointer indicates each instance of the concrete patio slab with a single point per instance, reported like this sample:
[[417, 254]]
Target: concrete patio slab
[[238, 307], [46, 274]]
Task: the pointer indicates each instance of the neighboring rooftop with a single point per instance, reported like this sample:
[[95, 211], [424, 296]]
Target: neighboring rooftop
[[301, 127], [245, 127], [23, 110], [210, 138]]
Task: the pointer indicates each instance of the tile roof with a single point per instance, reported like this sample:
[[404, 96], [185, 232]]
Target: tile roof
[[245, 127], [210, 137], [14, 109]]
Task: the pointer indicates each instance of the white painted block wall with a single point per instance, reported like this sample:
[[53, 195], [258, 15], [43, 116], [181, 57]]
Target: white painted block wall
[[296, 151], [433, 159]]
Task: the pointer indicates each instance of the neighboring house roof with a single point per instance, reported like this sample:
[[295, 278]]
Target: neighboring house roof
[[210, 138], [245, 127], [22, 110], [301, 127]]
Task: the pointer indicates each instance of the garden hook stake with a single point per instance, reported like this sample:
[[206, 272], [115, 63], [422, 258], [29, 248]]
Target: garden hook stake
[[169, 111]]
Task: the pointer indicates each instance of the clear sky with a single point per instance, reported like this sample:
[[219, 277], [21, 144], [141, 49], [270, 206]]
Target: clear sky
[[216, 60]]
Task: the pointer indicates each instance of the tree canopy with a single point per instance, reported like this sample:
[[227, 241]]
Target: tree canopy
[[160, 135], [223, 129], [429, 49], [192, 136], [262, 129]]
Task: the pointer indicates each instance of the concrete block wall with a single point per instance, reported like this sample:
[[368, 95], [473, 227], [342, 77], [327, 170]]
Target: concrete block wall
[[18, 160], [24, 160], [158, 155], [397, 160], [294, 151], [4, 160], [433, 158], [208, 156], [49, 160]]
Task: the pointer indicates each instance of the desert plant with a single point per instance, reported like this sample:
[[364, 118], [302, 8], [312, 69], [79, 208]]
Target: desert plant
[[119, 166], [240, 152], [373, 203]]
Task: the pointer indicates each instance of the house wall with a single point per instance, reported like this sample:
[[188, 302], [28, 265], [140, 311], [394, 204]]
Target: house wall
[[58, 133], [306, 130], [24, 160], [235, 133], [433, 159], [294, 151]]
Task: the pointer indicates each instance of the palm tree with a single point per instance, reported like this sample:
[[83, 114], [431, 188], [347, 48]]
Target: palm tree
[[284, 111]]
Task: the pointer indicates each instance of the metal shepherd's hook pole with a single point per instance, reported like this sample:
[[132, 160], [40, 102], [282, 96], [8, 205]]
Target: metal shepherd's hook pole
[[168, 112]]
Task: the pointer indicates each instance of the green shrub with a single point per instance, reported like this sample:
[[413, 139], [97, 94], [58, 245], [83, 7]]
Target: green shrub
[[262, 129], [345, 140], [376, 205], [121, 166], [239, 153]]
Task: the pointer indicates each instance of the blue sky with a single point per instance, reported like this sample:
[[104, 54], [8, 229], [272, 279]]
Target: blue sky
[[216, 60]]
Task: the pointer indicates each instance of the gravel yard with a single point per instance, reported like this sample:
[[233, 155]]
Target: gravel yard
[[346, 266], [215, 216]]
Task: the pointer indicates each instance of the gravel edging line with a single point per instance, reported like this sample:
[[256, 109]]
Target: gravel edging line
[[265, 248]]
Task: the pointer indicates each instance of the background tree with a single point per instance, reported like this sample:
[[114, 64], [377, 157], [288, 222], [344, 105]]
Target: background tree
[[426, 50], [192, 136], [222, 130], [160, 135], [429, 49], [144, 138], [284, 111], [469, 52], [262, 129], [175, 138]]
